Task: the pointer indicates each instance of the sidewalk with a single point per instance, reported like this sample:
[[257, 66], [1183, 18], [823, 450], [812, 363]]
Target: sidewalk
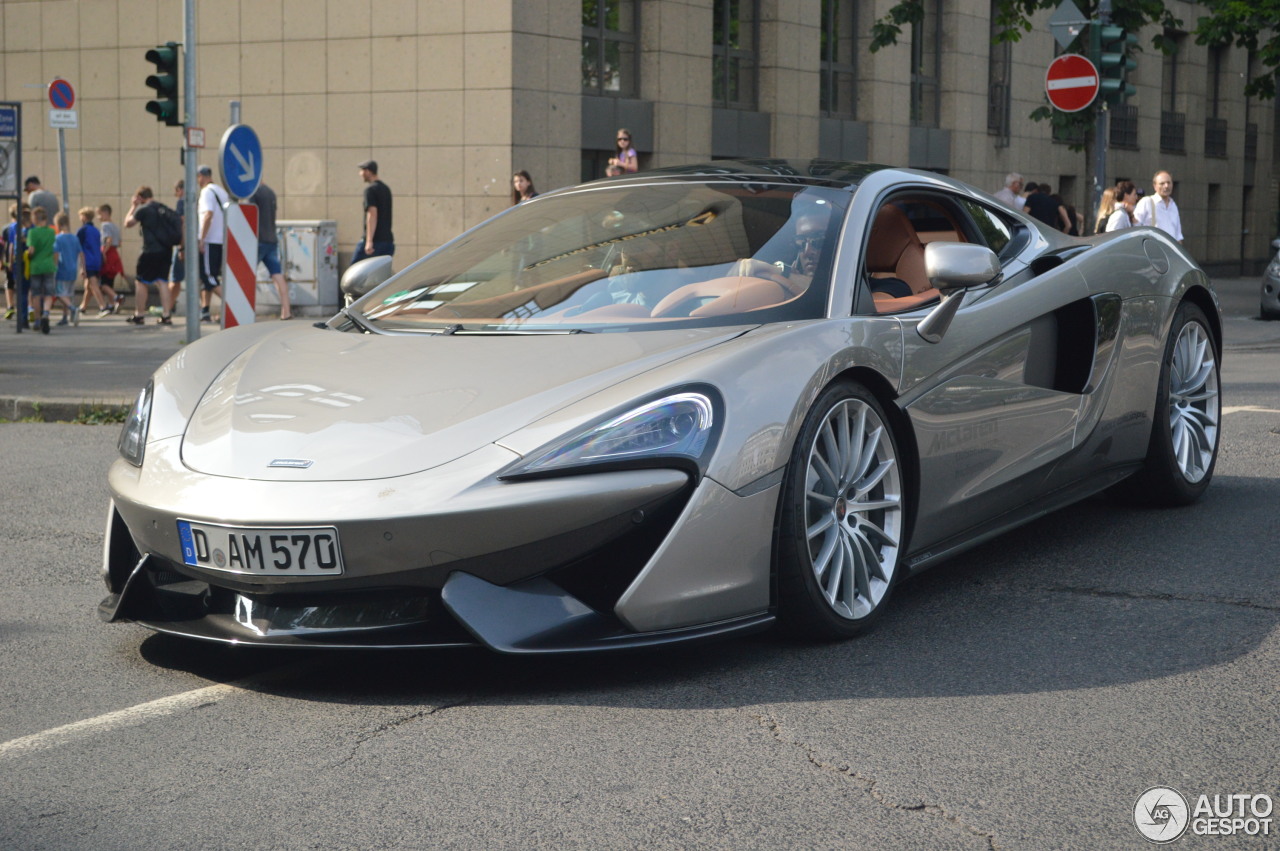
[[104, 362], [100, 365]]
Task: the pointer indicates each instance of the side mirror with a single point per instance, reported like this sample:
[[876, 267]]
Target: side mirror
[[953, 267], [362, 277]]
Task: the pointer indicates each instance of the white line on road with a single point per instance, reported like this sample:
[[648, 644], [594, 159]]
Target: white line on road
[[1236, 409], [130, 717], [142, 713]]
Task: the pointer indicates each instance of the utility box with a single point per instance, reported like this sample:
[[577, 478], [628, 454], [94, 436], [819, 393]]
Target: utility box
[[309, 260]]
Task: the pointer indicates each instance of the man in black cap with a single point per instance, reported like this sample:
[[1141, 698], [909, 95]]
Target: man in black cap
[[377, 238]]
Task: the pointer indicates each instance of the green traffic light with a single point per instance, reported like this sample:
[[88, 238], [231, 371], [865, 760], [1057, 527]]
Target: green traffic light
[[1109, 46], [165, 83]]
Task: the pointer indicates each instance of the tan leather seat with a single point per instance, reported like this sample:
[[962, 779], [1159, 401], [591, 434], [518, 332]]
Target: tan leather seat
[[894, 249]]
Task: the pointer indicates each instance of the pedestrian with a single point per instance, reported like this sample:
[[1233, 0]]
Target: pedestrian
[[1011, 193], [1073, 227], [38, 196], [213, 231], [624, 155], [15, 236], [377, 239], [67, 252], [1106, 207], [522, 187], [179, 271], [153, 262], [43, 265], [1041, 206], [1122, 217], [90, 239], [1159, 209], [112, 265], [269, 244], [8, 241]]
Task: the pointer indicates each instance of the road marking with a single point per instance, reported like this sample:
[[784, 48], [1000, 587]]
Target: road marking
[[1236, 409], [144, 712]]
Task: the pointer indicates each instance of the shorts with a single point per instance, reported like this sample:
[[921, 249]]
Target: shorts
[[111, 265], [269, 256], [65, 289], [153, 267], [179, 268], [92, 273], [211, 266], [43, 286]]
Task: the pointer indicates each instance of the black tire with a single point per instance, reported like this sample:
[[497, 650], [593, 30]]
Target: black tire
[[1186, 430], [841, 529]]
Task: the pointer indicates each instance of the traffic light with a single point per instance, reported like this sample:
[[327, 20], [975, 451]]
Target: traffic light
[[1111, 47], [165, 81]]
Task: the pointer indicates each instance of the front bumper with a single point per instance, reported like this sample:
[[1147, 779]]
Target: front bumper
[[600, 561]]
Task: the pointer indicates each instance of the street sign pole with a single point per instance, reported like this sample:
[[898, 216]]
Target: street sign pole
[[1100, 129], [191, 242], [62, 96]]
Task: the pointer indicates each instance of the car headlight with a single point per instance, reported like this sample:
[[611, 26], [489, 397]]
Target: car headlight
[[133, 437], [678, 427]]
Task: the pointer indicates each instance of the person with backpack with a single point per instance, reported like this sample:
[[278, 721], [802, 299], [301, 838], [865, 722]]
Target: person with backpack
[[161, 231], [212, 228]]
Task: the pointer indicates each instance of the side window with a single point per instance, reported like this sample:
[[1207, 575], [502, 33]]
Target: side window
[[993, 229]]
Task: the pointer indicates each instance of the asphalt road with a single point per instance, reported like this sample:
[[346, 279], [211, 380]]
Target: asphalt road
[[1021, 696]]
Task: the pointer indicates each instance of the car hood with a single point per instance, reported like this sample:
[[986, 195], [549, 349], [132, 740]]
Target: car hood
[[361, 406]]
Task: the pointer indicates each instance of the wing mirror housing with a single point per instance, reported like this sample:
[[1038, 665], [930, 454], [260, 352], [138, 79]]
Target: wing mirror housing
[[362, 277], [953, 267]]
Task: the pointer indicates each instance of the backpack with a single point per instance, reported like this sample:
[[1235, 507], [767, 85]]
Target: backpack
[[168, 226]]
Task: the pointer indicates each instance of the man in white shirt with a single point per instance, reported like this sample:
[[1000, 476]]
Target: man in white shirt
[[212, 228], [1159, 209], [1011, 195]]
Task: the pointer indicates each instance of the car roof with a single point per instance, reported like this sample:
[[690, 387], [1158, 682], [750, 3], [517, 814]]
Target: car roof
[[815, 172]]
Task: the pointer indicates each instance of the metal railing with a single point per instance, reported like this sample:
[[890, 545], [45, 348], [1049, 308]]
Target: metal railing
[[1215, 137], [1173, 132]]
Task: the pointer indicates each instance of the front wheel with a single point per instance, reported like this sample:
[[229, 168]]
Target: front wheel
[[842, 517], [1183, 449]]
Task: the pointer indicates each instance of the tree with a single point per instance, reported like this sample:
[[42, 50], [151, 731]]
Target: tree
[[1253, 25]]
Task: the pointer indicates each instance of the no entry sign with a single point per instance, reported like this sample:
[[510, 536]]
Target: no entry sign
[[1071, 82]]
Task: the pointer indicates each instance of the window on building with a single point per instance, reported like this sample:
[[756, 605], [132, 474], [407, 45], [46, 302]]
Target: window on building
[[926, 60], [1215, 126], [1173, 121], [838, 88], [609, 49], [999, 83], [734, 57]]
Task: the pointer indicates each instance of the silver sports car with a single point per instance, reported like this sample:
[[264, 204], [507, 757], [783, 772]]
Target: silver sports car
[[668, 406]]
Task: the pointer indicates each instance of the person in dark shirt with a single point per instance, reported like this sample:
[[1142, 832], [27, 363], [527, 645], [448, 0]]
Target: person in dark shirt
[[1041, 206], [377, 238], [269, 244], [153, 262]]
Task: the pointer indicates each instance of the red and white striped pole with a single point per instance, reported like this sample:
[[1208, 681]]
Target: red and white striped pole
[[240, 279]]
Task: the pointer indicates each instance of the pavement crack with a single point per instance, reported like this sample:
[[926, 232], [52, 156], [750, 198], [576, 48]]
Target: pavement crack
[[869, 784], [1183, 598], [394, 723]]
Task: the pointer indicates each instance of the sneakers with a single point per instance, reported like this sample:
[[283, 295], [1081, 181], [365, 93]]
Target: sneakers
[[75, 316], [136, 320], [205, 317], [106, 311], [64, 321], [166, 320], [118, 303], [8, 314], [44, 324]]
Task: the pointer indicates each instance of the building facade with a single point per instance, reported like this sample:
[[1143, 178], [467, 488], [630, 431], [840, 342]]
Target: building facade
[[451, 98]]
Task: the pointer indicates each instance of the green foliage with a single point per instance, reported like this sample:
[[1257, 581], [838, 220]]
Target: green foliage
[[101, 414], [1244, 24], [1250, 24]]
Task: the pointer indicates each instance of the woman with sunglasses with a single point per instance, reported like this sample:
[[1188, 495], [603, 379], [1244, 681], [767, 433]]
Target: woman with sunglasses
[[626, 155]]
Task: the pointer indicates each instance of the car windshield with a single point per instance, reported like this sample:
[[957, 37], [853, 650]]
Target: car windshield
[[626, 257]]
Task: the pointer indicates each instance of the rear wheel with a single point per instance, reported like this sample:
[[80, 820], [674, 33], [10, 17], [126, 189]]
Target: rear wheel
[[1185, 434], [842, 517]]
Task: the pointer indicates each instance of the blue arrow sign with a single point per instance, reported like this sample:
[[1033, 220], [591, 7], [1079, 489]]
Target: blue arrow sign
[[240, 160]]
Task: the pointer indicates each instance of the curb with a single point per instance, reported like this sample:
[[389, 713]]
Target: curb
[[55, 411]]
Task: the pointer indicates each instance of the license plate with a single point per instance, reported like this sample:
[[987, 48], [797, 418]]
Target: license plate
[[273, 552]]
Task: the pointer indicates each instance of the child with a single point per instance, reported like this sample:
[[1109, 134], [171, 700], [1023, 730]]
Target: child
[[91, 249], [111, 264], [7, 240], [44, 265], [66, 248]]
